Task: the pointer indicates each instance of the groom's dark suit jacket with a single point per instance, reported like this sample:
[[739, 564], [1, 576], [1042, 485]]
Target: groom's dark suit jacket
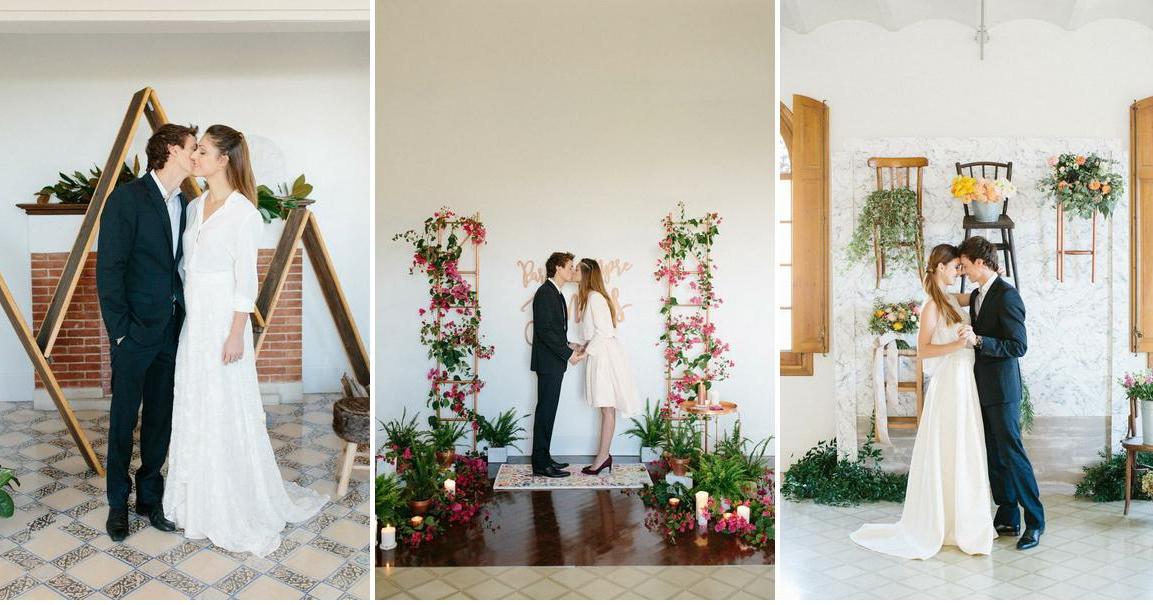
[[1001, 326], [136, 273], [550, 350]]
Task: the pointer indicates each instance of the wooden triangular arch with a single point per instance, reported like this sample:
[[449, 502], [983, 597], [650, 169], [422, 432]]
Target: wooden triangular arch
[[301, 226]]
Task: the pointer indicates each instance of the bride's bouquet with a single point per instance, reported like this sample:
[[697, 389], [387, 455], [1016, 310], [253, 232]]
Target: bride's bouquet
[[899, 317]]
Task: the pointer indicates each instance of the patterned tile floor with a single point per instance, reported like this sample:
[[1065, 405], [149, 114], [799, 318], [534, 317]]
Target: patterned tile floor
[[1089, 551], [601, 582], [55, 545]]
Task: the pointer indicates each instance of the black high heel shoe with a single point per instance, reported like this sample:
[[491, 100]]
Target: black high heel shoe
[[588, 470]]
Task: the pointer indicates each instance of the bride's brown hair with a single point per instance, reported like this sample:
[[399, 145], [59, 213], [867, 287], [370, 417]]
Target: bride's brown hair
[[593, 280], [942, 254], [232, 144]]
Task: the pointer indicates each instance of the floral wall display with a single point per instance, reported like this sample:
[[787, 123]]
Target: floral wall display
[[1078, 331], [692, 351], [450, 323]]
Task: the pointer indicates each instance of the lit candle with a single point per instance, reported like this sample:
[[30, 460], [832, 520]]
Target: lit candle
[[727, 515], [416, 521], [388, 537], [702, 504], [743, 512], [450, 486], [674, 502]]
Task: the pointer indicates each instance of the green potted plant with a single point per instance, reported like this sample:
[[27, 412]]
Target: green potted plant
[[649, 430], [444, 435], [889, 215], [399, 436], [7, 506], [421, 477], [725, 477], [79, 188], [389, 500], [681, 442], [500, 434]]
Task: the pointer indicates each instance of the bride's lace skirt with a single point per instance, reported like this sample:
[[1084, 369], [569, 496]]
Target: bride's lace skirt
[[223, 480]]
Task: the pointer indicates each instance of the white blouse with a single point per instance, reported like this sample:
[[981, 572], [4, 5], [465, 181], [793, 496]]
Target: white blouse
[[597, 324], [227, 241]]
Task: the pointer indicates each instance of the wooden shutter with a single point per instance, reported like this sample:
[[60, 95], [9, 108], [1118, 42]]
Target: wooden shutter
[[1141, 228], [810, 185]]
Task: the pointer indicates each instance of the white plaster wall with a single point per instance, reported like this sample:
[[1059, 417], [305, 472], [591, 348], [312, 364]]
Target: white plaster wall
[[923, 91], [302, 99], [576, 126]]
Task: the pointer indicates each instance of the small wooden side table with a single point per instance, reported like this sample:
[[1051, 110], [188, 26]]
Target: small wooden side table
[[1132, 444], [727, 407]]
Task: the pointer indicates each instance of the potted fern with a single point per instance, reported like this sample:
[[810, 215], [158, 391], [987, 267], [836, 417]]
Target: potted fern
[[444, 435], [500, 434], [421, 477], [681, 443], [649, 430], [399, 436], [389, 500], [7, 505]]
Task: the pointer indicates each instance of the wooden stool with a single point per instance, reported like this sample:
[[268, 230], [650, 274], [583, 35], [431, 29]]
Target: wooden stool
[[353, 424], [1004, 224], [1132, 445]]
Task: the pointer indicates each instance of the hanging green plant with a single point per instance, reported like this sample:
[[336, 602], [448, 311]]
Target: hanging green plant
[[892, 215]]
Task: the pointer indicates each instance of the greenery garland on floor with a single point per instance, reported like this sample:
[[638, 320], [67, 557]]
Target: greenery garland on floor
[[822, 476], [1105, 480]]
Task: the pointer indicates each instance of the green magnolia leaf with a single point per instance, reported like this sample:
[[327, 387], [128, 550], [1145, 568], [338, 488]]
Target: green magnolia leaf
[[7, 506]]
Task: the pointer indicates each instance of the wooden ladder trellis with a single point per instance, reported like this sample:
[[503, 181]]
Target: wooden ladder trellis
[[475, 379], [301, 226]]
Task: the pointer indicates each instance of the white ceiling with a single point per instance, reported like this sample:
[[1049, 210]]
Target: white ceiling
[[806, 15]]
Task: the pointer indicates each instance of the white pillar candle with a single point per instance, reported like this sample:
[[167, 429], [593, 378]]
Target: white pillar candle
[[714, 398], [702, 504], [388, 537], [743, 512], [450, 486]]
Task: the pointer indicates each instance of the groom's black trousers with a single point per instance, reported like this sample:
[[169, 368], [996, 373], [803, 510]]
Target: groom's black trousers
[[547, 398], [142, 379], [1010, 472]]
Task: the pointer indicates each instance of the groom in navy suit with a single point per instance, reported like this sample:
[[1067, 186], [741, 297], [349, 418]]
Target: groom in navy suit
[[999, 340], [142, 303], [551, 354]]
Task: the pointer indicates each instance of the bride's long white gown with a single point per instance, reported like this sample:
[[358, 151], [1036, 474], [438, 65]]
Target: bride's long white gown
[[223, 480], [948, 501]]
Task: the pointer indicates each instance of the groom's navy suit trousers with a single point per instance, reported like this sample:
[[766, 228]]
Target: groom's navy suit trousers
[[1001, 326], [550, 355], [142, 304]]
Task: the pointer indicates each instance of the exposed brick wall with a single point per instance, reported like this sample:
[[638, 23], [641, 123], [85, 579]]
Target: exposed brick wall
[[80, 357]]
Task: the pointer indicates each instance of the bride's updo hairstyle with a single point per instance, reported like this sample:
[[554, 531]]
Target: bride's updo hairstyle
[[942, 254], [231, 144], [592, 279]]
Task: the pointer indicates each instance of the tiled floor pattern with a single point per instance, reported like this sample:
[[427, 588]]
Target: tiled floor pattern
[[55, 545], [1089, 551], [698, 582]]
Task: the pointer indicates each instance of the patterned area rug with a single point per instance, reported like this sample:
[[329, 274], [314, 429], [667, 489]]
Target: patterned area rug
[[55, 545], [519, 477]]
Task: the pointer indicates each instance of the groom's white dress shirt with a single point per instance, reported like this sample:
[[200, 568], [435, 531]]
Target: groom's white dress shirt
[[980, 293], [172, 202]]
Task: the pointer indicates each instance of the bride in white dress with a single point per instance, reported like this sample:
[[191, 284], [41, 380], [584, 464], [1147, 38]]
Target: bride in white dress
[[223, 480], [948, 501], [609, 384]]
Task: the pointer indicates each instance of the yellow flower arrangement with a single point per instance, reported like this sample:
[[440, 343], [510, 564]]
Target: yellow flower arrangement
[[963, 188]]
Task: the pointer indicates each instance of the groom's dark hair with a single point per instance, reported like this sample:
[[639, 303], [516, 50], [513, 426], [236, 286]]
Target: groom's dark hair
[[168, 134], [977, 248], [556, 259]]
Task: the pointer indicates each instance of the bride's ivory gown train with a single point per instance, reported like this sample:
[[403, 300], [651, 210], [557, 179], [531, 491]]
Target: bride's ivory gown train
[[948, 500], [223, 480]]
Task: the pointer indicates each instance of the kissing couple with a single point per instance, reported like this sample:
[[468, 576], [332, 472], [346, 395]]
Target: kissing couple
[[177, 282], [609, 383], [968, 439]]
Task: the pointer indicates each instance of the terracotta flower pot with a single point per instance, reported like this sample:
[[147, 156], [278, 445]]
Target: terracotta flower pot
[[445, 458], [419, 507], [679, 466]]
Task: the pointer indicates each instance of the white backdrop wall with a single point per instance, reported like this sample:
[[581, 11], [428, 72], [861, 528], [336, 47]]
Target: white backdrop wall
[[576, 126], [1038, 81], [302, 100]]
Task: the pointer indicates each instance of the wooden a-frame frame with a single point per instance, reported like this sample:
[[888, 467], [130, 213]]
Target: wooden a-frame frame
[[301, 225]]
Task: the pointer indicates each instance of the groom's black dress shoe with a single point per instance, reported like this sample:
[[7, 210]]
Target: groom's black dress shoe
[[1030, 539], [117, 524], [558, 465], [1008, 530], [552, 472], [155, 516]]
